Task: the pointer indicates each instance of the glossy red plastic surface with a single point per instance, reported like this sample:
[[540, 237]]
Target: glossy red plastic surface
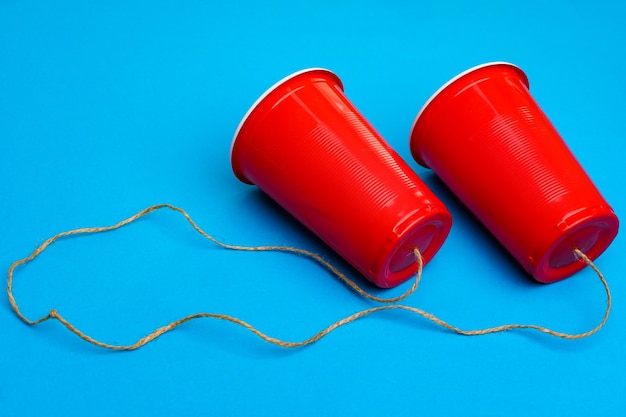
[[306, 145], [485, 136]]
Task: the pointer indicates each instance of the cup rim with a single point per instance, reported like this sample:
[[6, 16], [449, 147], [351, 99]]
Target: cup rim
[[458, 77], [268, 91]]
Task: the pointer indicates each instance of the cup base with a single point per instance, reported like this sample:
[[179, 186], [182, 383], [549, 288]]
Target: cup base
[[425, 235], [592, 237]]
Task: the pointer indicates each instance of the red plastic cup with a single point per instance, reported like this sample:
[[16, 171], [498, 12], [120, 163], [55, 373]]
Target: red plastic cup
[[485, 136], [306, 146]]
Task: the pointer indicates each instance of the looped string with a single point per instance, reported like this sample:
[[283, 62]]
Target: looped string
[[54, 314]]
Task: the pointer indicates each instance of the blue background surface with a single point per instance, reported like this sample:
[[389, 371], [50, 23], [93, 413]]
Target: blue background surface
[[109, 107]]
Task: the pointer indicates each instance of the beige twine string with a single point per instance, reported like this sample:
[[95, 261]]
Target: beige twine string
[[54, 314]]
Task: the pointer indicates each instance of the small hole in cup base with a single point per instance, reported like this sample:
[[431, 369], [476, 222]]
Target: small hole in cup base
[[583, 239], [560, 261], [405, 257]]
